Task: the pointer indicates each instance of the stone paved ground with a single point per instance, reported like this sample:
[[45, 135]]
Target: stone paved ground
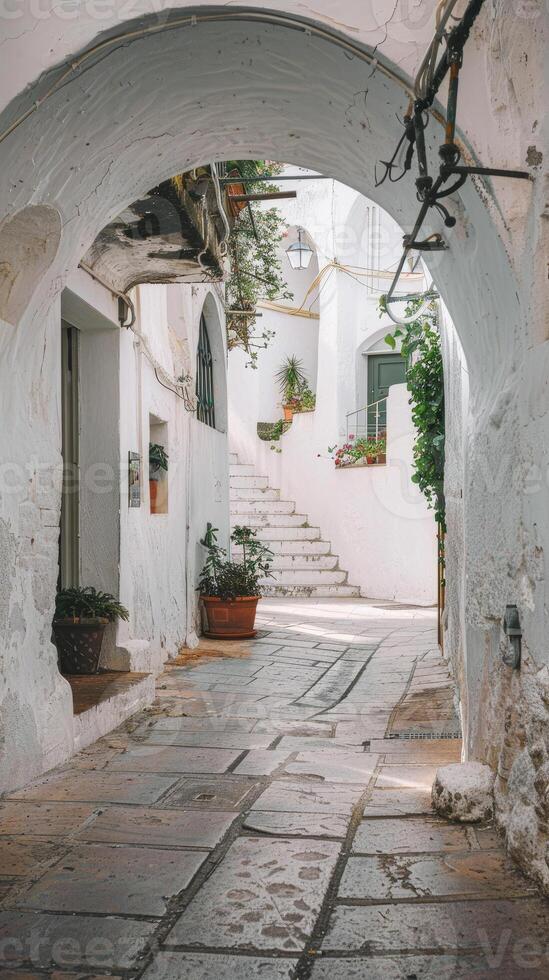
[[257, 822]]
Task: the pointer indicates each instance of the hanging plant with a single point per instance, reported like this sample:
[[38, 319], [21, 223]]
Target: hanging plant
[[255, 269], [420, 346]]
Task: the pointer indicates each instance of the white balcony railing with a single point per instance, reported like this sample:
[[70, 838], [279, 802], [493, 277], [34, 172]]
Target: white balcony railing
[[369, 422]]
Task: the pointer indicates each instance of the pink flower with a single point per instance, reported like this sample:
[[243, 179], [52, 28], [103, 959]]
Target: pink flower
[[351, 437]]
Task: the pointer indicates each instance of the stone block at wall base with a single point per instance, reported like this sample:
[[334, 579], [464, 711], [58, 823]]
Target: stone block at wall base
[[464, 792]]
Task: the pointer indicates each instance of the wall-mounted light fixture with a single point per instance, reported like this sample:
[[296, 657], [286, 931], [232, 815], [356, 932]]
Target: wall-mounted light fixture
[[512, 629], [299, 254]]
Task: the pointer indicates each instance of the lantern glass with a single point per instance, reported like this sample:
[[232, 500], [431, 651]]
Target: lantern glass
[[299, 254]]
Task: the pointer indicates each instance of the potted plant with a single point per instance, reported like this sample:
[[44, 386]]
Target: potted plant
[[158, 464], [366, 449], [81, 615], [229, 589], [307, 400], [291, 380]]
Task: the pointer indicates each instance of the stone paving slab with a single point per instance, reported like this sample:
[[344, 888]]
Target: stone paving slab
[[464, 925], [336, 767], [297, 825], [114, 880], [301, 729], [20, 855], [454, 967], [43, 819], [208, 966], [166, 759], [406, 777], [40, 940], [288, 797], [398, 802], [262, 762], [478, 874], [210, 740], [265, 894], [180, 723], [409, 835], [97, 787], [56, 975], [157, 828], [297, 743], [333, 684]]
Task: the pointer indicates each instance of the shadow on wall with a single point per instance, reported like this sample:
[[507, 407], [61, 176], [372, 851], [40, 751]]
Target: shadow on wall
[[28, 245]]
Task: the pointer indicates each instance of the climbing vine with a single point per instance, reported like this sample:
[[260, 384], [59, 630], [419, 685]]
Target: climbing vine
[[255, 270], [420, 346]]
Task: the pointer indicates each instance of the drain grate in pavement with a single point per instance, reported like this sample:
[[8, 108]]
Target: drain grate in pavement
[[425, 735]]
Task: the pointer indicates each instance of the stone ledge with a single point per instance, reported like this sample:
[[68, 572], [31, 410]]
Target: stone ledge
[[103, 701]]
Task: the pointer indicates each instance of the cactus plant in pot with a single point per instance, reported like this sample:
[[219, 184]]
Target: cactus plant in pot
[[81, 615], [230, 589]]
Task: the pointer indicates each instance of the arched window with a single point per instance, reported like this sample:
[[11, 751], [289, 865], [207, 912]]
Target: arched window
[[205, 409]]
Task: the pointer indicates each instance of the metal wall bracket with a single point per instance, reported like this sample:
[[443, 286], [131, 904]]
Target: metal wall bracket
[[435, 244], [513, 631]]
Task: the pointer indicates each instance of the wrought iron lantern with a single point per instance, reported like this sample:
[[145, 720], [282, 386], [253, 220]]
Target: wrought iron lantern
[[299, 254]]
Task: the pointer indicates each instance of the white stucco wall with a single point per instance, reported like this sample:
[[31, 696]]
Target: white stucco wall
[[150, 561], [375, 518]]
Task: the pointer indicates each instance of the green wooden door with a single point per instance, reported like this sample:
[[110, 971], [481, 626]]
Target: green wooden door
[[384, 370]]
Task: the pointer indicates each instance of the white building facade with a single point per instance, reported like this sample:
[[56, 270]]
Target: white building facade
[[108, 393], [375, 519]]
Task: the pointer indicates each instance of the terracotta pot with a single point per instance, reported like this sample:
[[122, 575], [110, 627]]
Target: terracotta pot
[[370, 459], [78, 646], [230, 619], [288, 413], [153, 494], [382, 458]]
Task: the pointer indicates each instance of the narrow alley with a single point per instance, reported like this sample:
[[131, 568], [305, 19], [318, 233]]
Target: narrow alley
[[270, 816]]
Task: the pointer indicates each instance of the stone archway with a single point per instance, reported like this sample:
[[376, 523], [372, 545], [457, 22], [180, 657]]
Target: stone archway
[[168, 100]]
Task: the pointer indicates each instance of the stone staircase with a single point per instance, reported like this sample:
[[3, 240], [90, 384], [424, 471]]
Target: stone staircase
[[303, 563]]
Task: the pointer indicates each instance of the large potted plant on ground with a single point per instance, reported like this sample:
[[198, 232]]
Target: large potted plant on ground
[[229, 589], [158, 464], [81, 615]]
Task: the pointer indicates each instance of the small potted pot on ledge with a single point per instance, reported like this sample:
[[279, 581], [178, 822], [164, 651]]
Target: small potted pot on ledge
[[158, 464], [81, 615], [229, 589]]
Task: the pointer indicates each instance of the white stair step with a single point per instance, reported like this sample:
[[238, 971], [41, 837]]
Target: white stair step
[[268, 520], [289, 534], [248, 482], [304, 563], [312, 576], [263, 507], [311, 591], [254, 493], [241, 469], [293, 561], [300, 548]]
